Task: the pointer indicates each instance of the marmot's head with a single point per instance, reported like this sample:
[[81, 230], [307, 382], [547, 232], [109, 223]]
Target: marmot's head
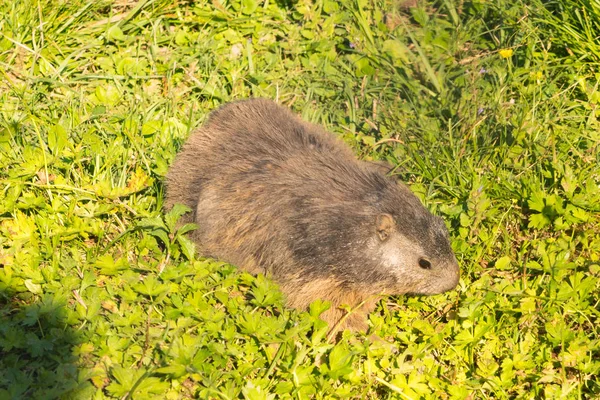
[[423, 264], [411, 246]]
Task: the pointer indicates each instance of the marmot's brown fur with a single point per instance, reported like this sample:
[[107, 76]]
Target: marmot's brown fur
[[277, 195]]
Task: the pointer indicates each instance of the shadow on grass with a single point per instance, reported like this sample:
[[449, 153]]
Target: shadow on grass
[[36, 349], [287, 4]]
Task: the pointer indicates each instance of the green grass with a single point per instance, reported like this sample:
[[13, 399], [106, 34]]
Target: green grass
[[489, 110]]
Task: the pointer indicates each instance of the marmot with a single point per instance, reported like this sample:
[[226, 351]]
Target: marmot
[[277, 195]]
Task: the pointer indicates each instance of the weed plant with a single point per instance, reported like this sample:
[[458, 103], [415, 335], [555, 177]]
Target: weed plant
[[488, 109]]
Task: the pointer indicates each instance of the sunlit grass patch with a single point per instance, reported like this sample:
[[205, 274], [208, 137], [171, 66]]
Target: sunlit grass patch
[[488, 111]]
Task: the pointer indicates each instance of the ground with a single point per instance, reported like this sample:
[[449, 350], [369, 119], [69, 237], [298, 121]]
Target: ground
[[488, 110]]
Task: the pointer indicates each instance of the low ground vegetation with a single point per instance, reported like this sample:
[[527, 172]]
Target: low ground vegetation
[[489, 110]]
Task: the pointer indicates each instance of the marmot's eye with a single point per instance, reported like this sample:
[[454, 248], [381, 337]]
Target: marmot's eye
[[425, 264]]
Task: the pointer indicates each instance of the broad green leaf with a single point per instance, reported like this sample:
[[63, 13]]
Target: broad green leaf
[[340, 361], [188, 248], [115, 34], [503, 263], [174, 214], [57, 139]]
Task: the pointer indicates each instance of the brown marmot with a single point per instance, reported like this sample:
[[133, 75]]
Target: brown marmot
[[277, 195]]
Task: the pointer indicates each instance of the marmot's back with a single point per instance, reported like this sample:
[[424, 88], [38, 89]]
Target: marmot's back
[[238, 137], [274, 194]]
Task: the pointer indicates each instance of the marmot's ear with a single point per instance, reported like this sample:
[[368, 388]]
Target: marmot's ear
[[385, 225]]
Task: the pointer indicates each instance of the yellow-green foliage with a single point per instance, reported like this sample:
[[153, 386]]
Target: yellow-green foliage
[[490, 110]]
